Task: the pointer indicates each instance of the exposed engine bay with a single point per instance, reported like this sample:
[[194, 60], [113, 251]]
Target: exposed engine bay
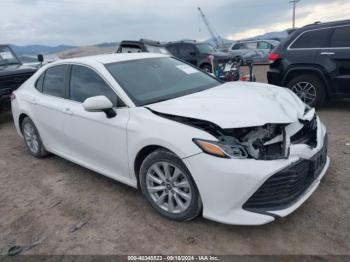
[[267, 142]]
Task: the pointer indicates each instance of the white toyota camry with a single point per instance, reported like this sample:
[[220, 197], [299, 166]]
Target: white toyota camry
[[239, 153]]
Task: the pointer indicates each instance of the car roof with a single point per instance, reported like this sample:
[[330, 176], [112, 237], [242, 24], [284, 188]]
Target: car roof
[[142, 41], [110, 58], [326, 24], [256, 40]]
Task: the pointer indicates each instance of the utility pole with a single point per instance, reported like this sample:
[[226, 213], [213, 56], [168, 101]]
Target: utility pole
[[294, 2]]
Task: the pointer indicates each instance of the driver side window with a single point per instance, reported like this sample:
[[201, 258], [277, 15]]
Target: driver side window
[[85, 83]]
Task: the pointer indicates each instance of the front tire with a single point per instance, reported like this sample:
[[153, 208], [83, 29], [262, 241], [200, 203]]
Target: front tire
[[168, 186], [309, 89], [32, 139]]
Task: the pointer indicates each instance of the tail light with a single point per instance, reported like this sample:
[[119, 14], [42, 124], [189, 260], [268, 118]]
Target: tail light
[[244, 78], [13, 96], [273, 57]]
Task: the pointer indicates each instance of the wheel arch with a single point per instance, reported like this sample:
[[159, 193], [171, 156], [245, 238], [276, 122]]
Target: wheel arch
[[21, 117], [140, 157], [296, 71], [206, 64]]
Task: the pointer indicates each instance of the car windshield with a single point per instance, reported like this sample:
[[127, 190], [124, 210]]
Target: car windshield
[[206, 49], [152, 80], [157, 49], [7, 57]]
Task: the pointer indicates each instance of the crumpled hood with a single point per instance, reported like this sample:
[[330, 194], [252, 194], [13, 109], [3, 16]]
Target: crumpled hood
[[237, 104]]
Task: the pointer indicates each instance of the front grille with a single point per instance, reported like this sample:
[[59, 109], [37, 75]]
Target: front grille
[[285, 187], [10, 83]]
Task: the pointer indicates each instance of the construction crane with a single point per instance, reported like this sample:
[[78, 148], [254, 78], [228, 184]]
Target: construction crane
[[218, 42]]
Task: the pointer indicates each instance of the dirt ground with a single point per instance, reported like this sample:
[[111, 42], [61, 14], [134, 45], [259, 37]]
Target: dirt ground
[[43, 199]]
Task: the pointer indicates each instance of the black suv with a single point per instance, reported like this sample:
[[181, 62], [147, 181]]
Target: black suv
[[314, 62], [202, 55], [12, 74], [140, 46]]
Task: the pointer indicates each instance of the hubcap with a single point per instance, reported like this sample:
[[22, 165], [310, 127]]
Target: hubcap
[[168, 187], [31, 138], [305, 91]]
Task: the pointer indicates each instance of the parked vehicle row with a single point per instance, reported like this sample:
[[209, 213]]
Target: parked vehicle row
[[236, 152], [203, 55], [314, 62]]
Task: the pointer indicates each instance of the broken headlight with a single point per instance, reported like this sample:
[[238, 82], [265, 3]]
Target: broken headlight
[[266, 142], [222, 149]]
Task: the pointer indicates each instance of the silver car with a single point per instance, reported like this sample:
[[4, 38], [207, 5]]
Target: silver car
[[255, 50]]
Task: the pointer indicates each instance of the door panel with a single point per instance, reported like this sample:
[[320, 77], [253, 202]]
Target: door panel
[[188, 53], [341, 73], [48, 117], [340, 42], [335, 58], [47, 108], [96, 141]]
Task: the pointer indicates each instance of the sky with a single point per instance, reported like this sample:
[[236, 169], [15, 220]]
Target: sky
[[86, 22]]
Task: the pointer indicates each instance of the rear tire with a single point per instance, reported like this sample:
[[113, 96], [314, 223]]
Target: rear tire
[[309, 88], [32, 139], [168, 186]]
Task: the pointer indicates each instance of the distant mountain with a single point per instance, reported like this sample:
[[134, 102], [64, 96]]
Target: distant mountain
[[279, 35], [108, 44], [212, 41], [39, 49]]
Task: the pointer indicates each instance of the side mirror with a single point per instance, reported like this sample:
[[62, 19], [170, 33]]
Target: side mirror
[[193, 54], [40, 58], [99, 103]]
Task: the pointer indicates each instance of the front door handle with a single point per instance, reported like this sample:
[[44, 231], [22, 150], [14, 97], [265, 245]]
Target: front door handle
[[327, 53], [67, 111]]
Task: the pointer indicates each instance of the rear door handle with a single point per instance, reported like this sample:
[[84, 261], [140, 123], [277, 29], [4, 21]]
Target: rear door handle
[[67, 111], [327, 53]]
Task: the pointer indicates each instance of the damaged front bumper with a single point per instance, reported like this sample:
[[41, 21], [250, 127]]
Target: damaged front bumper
[[238, 191]]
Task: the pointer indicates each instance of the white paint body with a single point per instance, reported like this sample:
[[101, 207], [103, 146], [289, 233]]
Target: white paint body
[[110, 146]]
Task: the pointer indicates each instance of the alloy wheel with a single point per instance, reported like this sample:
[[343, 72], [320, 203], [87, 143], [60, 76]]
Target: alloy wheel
[[168, 187], [305, 91], [31, 138]]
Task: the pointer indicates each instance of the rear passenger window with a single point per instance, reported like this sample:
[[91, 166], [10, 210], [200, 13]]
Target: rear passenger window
[[341, 37], [87, 83], [39, 83], [313, 39], [264, 45], [54, 81], [250, 45]]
